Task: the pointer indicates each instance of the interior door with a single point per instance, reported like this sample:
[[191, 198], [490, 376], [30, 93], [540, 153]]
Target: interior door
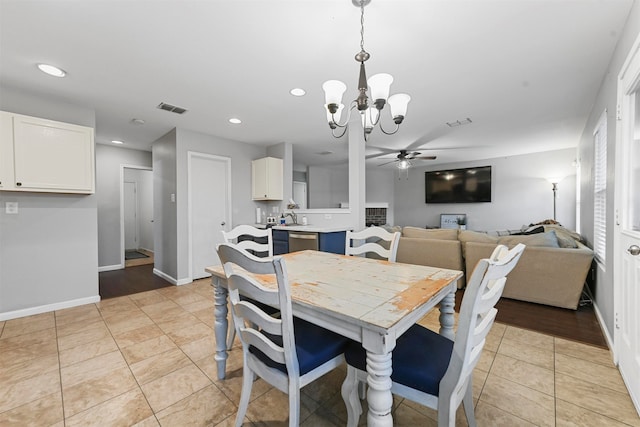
[[130, 216], [627, 229], [209, 208]]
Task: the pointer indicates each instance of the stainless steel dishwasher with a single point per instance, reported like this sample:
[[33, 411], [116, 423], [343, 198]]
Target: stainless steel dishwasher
[[302, 241]]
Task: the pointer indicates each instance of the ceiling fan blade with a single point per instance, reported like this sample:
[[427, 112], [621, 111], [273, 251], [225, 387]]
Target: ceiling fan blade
[[386, 163], [425, 158]]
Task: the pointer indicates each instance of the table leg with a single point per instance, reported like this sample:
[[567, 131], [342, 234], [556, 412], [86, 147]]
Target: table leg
[[220, 326], [447, 318], [379, 395]]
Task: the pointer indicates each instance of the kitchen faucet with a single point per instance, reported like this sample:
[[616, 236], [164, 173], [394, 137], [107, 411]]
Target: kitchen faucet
[[293, 216]]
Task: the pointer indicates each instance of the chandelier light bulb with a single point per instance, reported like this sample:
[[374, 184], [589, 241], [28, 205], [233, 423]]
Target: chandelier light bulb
[[333, 91], [398, 104], [379, 85]]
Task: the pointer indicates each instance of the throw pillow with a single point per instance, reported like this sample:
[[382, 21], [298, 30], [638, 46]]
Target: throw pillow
[[547, 239], [432, 233], [566, 237]]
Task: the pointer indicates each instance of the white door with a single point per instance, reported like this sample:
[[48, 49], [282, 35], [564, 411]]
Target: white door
[[209, 181], [627, 229], [300, 194], [130, 216]]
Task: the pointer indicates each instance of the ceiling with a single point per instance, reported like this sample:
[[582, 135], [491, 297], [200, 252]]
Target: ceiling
[[526, 72]]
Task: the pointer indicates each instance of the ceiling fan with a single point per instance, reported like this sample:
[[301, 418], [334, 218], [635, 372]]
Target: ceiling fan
[[404, 158]]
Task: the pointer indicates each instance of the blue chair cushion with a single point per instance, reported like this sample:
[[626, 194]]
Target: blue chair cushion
[[419, 361], [314, 346]]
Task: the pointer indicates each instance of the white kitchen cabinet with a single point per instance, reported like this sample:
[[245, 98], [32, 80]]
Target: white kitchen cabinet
[[267, 177], [45, 155]]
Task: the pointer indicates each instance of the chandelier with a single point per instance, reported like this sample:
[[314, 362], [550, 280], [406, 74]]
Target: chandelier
[[378, 85]]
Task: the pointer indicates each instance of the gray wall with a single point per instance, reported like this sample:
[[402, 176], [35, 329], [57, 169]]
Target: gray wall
[[165, 226], [49, 250], [108, 162], [521, 195], [379, 189], [606, 99]]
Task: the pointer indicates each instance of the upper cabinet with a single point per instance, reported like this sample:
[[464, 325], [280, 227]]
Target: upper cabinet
[[267, 177], [45, 155]]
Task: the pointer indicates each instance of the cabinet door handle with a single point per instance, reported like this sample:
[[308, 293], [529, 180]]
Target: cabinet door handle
[[19, 184], [223, 223]]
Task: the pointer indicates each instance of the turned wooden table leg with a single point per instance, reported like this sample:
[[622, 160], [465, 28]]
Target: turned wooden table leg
[[221, 326], [379, 395], [447, 318]]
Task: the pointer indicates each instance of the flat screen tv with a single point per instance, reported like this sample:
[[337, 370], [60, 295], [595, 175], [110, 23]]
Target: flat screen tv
[[469, 185]]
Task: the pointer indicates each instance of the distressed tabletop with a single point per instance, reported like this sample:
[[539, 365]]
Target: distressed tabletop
[[371, 301]]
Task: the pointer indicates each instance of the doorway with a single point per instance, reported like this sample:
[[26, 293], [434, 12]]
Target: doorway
[[137, 245], [627, 226], [209, 205]]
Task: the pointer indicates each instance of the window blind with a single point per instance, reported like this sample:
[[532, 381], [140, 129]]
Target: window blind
[[600, 190]]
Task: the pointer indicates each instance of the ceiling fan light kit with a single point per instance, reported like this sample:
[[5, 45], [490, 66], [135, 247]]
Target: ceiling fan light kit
[[379, 86]]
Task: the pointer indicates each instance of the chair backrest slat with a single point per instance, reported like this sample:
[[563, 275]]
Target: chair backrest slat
[[382, 238], [269, 348], [248, 230]]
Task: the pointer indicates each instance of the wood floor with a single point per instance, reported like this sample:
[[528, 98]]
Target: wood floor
[[576, 325]]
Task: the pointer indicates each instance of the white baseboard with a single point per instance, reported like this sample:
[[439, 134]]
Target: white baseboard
[[605, 332], [110, 267], [47, 308], [170, 279]]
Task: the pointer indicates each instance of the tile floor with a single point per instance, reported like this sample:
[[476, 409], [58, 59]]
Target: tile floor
[[147, 360]]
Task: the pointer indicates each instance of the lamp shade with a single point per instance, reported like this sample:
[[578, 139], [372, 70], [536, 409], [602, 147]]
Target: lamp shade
[[333, 91], [398, 104], [379, 85], [336, 115]]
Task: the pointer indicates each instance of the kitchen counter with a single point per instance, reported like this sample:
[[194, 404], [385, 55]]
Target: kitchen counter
[[309, 228]]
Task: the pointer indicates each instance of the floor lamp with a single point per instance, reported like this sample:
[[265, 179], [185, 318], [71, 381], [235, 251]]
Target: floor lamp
[[554, 185], [555, 196]]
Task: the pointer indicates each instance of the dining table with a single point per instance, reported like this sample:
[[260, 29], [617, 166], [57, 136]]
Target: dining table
[[367, 300]]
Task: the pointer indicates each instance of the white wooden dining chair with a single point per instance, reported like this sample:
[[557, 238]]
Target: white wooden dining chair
[[286, 352], [430, 369], [233, 235], [371, 239], [265, 249]]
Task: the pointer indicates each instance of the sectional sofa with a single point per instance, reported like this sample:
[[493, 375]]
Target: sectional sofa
[[552, 270]]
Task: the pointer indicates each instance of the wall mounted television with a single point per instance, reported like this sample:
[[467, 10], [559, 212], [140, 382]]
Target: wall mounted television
[[468, 185]]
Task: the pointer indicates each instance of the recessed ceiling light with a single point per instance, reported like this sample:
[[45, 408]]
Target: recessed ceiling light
[[51, 70], [235, 121], [115, 141], [297, 92]]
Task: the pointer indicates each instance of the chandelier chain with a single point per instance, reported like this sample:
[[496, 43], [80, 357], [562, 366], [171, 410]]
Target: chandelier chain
[[362, 25]]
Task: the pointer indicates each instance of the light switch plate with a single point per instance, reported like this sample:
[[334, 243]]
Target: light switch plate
[[11, 208]]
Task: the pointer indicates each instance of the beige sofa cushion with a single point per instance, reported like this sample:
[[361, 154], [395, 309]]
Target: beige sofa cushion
[[466, 236], [547, 239], [430, 233], [440, 253]]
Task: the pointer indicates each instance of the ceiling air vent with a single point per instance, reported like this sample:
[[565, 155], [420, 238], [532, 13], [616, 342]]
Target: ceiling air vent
[[172, 108]]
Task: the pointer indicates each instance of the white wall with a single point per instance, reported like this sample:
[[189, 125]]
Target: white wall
[[49, 250], [108, 163], [328, 187], [606, 99], [521, 195]]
